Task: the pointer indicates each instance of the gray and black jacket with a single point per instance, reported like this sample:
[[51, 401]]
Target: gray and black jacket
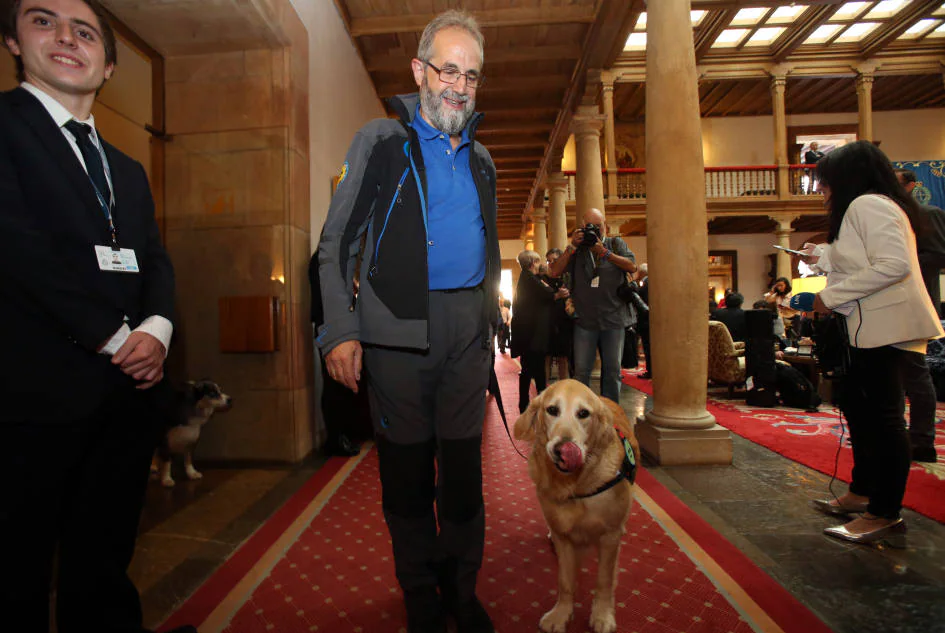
[[383, 192]]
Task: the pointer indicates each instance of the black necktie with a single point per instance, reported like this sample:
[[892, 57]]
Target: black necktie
[[93, 160]]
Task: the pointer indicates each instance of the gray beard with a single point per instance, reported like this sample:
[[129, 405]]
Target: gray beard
[[450, 122]]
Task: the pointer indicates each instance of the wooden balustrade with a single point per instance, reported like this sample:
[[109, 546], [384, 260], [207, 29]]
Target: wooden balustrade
[[743, 181]]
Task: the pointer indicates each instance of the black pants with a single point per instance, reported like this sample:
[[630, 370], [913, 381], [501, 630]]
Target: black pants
[[644, 332], [80, 486], [428, 409], [872, 401], [345, 412], [917, 383], [533, 368], [629, 360]]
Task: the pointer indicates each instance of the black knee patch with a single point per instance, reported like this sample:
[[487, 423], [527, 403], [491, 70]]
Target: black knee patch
[[408, 477], [460, 473]]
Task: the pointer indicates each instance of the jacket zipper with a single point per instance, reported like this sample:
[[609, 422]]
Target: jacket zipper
[[390, 209], [426, 234]]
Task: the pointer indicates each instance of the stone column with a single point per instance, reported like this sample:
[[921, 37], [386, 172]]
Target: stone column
[[557, 211], [589, 182], [864, 101], [541, 230], [678, 430], [783, 232], [778, 85], [610, 137]]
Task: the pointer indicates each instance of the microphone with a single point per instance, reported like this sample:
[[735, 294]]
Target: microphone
[[803, 301]]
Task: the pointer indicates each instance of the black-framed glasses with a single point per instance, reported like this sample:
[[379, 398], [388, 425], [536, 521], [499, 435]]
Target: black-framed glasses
[[452, 75]]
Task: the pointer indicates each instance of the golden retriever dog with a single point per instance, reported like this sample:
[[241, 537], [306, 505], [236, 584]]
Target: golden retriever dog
[[583, 472]]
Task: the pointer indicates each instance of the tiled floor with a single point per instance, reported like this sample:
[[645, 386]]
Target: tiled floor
[[760, 504]]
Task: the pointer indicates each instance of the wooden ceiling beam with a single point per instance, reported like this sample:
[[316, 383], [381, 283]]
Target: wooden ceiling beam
[[599, 41], [516, 127], [712, 26], [492, 87], [798, 32], [491, 18], [899, 24], [753, 93], [384, 63]]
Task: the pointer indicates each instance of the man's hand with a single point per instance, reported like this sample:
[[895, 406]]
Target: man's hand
[[577, 238], [819, 306], [142, 358], [563, 293], [599, 249], [344, 364]]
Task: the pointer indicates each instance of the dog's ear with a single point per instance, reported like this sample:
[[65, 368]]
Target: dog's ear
[[605, 412], [525, 424]]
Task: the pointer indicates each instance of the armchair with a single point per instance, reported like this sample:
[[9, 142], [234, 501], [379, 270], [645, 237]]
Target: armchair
[[726, 358]]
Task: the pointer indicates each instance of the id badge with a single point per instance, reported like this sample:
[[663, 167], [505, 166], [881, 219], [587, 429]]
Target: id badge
[[116, 260], [595, 282]]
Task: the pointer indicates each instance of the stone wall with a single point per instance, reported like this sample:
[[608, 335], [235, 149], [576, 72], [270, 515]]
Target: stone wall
[[238, 224]]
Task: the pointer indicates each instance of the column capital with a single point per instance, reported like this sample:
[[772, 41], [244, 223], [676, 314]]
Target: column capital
[[778, 83], [587, 121], [557, 183], [538, 215], [784, 221], [864, 81]]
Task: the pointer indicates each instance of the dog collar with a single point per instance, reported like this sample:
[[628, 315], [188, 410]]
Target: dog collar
[[628, 469]]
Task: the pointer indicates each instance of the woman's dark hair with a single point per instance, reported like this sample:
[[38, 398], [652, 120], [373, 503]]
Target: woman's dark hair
[[857, 169], [10, 9], [787, 286]]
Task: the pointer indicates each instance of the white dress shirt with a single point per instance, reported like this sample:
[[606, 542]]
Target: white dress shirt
[[155, 325]]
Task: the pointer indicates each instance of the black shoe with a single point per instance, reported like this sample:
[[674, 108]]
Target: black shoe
[[343, 447], [424, 611], [924, 454], [471, 617], [646, 375]]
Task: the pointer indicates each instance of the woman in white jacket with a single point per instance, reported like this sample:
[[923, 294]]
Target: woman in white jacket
[[875, 283]]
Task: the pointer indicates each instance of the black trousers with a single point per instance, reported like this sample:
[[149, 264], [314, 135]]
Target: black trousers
[[428, 409], [644, 332], [79, 486], [533, 368], [917, 383], [872, 401]]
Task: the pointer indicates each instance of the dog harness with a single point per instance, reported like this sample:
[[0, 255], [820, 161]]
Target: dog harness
[[628, 469]]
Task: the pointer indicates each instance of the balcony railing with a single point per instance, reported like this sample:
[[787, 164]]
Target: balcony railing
[[751, 181]]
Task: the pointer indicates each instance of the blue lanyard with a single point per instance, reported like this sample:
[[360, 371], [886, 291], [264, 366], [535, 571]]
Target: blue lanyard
[[106, 209]]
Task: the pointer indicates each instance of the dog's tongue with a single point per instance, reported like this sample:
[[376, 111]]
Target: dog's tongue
[[571, 456]]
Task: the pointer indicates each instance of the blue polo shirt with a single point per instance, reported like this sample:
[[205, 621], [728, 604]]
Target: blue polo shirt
[[456, 234]]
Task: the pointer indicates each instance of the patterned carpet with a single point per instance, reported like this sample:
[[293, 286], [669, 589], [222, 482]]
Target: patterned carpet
[[332, 570], [812, 439]]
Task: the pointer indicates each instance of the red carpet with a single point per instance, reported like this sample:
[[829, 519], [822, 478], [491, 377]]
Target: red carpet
[[677, 574], [811, 439]]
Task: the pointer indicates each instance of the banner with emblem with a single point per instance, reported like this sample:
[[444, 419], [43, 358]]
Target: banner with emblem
[[930, 181]]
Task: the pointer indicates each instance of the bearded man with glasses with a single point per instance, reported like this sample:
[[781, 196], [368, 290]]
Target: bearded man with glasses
[[422, 192]]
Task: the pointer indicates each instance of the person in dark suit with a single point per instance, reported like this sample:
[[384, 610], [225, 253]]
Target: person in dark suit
[[531, 324], [733, 316], [87, 293], [811, 156]]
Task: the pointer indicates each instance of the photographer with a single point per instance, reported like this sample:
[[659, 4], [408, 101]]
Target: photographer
[[597, 264]]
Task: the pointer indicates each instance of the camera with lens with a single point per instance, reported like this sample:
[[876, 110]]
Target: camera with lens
[[591, 235]]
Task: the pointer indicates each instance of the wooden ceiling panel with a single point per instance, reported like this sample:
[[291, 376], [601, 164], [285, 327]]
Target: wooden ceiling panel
[[539, 54]]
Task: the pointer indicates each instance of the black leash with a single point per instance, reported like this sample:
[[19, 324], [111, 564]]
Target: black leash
[[494, 390]]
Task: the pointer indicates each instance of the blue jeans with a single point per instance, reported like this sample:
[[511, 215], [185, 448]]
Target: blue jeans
[[610, 345]]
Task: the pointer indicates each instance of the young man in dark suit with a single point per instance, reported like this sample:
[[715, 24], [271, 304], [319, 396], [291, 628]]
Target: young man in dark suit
[[87, 293]]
